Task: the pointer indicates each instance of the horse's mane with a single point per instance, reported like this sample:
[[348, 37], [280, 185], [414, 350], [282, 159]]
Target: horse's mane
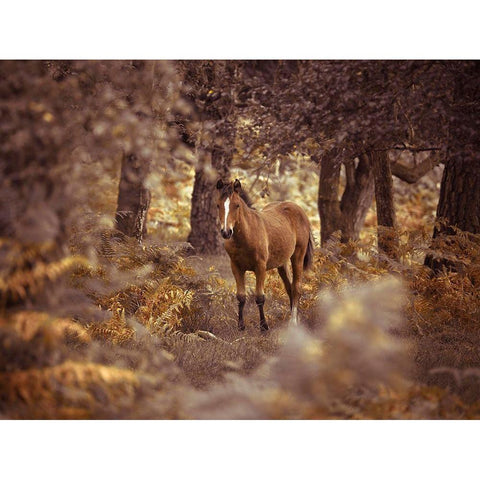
[[244, 196], [227, 190]]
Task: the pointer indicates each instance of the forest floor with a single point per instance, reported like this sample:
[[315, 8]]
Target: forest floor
[[155, 334], [436, 342], [375, 341]]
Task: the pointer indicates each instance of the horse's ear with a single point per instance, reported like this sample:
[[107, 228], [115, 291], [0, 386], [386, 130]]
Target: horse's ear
[[219, 184], [237, 186]]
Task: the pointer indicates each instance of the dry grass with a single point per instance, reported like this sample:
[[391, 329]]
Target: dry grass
[[377, 340], [151, 332]]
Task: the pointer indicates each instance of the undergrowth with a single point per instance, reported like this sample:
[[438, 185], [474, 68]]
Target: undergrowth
[[153, 335]]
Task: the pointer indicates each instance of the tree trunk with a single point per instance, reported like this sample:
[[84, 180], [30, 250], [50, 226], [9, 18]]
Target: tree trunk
[[357, 197], [386, 223], [328, 204], [347, 215], [205, 233], [459, 202], [458, 208], [133, 198]]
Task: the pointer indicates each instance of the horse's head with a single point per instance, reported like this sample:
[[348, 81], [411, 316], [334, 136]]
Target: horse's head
[[228, 204]]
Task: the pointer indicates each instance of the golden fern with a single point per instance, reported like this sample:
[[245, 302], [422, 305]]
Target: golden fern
[[21, 282], [115, 329], [165, 301], [71, 385], [27, 324]]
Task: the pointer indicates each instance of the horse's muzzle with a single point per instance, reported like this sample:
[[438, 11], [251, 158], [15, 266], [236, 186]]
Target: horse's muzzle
[[226, 234]]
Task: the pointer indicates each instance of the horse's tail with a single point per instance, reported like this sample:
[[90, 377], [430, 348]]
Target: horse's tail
[[308, 259]]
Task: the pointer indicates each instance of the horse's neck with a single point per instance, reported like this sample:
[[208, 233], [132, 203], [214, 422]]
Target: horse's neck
[[247, 224]]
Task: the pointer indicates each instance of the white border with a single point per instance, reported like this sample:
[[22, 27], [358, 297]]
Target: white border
[[370, 29], [239, 449]]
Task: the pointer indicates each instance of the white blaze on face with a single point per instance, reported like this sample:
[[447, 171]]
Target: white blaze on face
[[227, 208]]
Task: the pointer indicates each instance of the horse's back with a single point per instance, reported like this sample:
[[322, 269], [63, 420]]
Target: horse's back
[[288, 229], [288, 213]]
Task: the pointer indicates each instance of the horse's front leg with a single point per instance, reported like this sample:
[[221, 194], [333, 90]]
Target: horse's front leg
[[239, 275], [260, 273]]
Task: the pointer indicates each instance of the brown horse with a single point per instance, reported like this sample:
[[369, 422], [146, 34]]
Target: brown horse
[[258, 241]]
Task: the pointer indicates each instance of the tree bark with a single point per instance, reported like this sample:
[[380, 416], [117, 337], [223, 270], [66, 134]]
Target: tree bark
[[459, 202], [133, 198], [386, 222], [357, 197], [328, 204], [205, 234], [347, 215], [458, 208]]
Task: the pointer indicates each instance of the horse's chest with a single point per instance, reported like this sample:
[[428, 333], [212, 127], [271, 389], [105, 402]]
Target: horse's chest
[[245, 257]]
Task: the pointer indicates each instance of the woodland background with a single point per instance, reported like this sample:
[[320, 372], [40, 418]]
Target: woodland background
[[117, 298]]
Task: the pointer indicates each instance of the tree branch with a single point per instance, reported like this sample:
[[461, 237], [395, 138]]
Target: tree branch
[[411, 174], [415, 149]]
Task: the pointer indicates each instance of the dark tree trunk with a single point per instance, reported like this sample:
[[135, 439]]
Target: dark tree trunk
[[205, 233], [357, 197], [328, 204], [459, 202], [347, 215], [458, 208], [386, 223], [133, 198]]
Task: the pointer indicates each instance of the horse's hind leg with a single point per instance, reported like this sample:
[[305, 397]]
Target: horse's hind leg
[[260, 273], [282, 271], [241, 296], [297, 268]]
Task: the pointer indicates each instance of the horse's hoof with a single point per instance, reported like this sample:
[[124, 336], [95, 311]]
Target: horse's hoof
[[241, 327], [264, 327]]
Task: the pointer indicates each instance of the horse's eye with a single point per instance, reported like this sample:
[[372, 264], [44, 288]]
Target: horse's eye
[[237, 206], [218, 206]]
